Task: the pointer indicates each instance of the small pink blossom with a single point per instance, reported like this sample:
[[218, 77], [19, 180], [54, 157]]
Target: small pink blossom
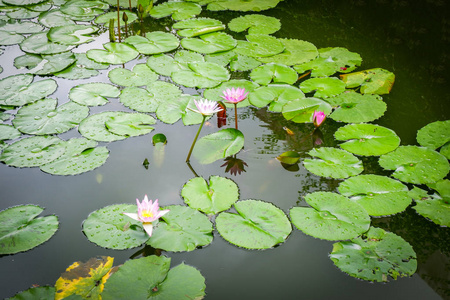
[[234, 95], [318, 118], [206, 107]]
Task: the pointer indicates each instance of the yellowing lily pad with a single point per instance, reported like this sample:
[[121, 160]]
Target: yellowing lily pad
[[373, 81]]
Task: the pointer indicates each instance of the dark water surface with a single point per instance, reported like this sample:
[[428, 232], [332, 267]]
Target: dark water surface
[[408, 38]]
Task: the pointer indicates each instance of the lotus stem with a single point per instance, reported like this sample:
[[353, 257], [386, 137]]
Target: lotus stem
[[118, 19], [195, 139], [235, 116], [112, 35], [130, 4]]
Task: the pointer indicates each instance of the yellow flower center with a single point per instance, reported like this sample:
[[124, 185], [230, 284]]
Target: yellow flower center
[[147, 214]]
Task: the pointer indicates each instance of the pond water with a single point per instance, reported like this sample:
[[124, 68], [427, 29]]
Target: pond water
[[408, 38]]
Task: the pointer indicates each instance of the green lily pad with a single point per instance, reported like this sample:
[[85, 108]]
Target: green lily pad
[[38, 43], [181, 229], [22, 13], [259, 45], [210, 198], [94, 128], [210, 43], [83, 68], [32, 151], [434, 207], [198, 26], [54, 18], [85, 9], [154, 42], [375, 256], [302, 110], [216, 93], [237, 62], [20, 230], [10, 38], [274, 73], [256, 225], [218, 145], [115, 53], [179, 108], [416, 164], [201, 75], [166, 65], [72, 34], [157, 281], [319, 67], [148, 100], [104, 19], [295, 52], [44, 117], [379, 195], [41, 292], [367, 139], [373, 81], [330, 217], [256, 24], [81, 156], [93, 94], [22, 2], [141, 75], [177, 9], [332, 162], [434, 135], [108, 227], [353, 107], [275, 95], [8, 132], [323, 87], [243, 5], [45, 64], [130, 124]]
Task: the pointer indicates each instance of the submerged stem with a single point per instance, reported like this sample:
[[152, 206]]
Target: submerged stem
[[195, 139]]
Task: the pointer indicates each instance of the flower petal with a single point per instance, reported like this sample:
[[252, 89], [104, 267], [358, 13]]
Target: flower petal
[[148, 227], [132, 215]]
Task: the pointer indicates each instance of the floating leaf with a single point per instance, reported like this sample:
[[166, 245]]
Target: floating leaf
[[72, 34], [276, 73], [10, 38], [210, 43], [45, 64], [22, 13], [302, 110], [210, 198], [83, 68], [94, 128], [218, 145], [93, 94], [375, 256], [85, 9], [356, 108], [259, 45], [373, 81], [216, 93], [115, 53], [434, 135], [154, 42], [295, 52], [243, 5], [104, 19], [156, 281], [256, 24], [379, 195], [20, 89], [21, 230], [108, 227], [275, 95], [54, 18], [38, 43], [182, 229], [86, 279], [257, 225], [323, 87], [22, 2], [45, 117], [289, 157], [177, 9], [131, 124], [32, 151], [334, 163], [8, 132], [42, 292], [201, 75], [435, 207], [81, 156], [416, 164], [330, 217], [367, 139], [195, 27], [179, 108]]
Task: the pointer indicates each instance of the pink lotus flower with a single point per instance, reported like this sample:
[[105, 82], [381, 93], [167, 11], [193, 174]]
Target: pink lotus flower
[[234, 95], [318, 118], [206, 107], [148, 212]]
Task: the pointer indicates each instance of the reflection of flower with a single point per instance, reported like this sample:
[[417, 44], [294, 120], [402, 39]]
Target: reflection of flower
[[148, 212], [206, 107], [318, 118], [317, 137], [234, 165], [234, 95]]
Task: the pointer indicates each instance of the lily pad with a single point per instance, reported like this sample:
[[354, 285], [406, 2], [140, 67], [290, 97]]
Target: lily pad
[[182, 229], [435, 207], [154, 42], [54, 18], [256, 225], [289, 157], [72, 34], [210, 198], [22, 2], [275, 95], [157, 281], [243, 5], [274, 73], [10, 38], [379, 195], [216, 93], [108, 227], [375, 256], [44, 117], [21, 230], [85, 9], [93, 94], [32, 151], [323, 87], [353, 107], [295, 52], [332, 162], [367, 139], [166, 65], [22, 13], [81, 156], [177, 9], [373, 81], [330, 217], [210, 43], [198, 26], [179, 108], [130, 124], [41, 292], [319, 67], [141, 75], [256, 24], [218, 145], [259, 45], [83, 68], [94, 128], [45, 64], [104, 19], [115, 53], [237, 62], [434, 135], [302, 110], [38, 43], [8, 132], [416, 164], [201, 75]]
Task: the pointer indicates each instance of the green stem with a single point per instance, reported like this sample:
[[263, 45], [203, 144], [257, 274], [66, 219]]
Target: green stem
[[235, 115], [195, 139]]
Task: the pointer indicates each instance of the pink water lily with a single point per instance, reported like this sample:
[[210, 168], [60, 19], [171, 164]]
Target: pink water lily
[[206, 107], [148, 212], [318, 118], [234, 95]]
